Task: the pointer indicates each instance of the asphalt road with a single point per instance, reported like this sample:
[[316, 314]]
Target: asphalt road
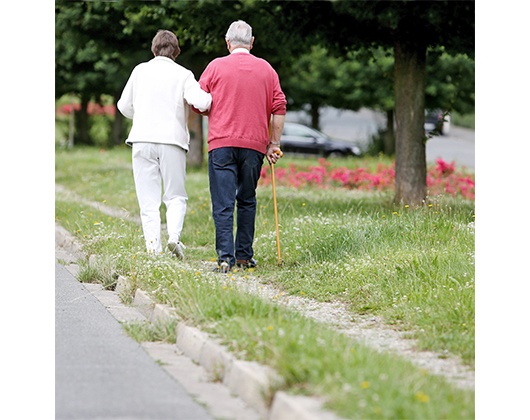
[[100, 372], [457, 146]]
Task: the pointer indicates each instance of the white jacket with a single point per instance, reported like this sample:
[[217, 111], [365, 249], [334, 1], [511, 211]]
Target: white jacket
[[157, 98]]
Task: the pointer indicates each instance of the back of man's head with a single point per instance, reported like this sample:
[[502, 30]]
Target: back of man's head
[[239, 34]]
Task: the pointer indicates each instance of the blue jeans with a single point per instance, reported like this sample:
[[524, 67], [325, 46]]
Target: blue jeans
[[234, 173]]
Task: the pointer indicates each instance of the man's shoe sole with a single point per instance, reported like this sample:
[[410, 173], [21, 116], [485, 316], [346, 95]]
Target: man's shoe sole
[[247, 263], [224, 268]]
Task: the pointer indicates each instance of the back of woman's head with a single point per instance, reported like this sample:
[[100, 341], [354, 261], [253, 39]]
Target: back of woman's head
[[166, 44]]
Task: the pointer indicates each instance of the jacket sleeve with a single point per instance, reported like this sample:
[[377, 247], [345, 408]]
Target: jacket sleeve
[[125, 103], [195, 96]]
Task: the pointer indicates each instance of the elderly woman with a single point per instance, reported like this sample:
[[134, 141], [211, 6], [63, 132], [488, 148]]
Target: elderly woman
[[157, 97]]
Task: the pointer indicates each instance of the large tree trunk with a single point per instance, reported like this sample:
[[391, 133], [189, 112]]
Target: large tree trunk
[[389, 139], [409, 90], [196, 152]]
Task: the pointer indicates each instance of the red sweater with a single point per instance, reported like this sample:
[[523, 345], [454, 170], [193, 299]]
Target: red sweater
[[245, 92]]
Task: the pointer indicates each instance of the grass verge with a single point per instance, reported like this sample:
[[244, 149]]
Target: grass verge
[[414, 267]]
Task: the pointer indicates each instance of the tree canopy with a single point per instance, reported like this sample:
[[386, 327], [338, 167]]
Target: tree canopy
[[319, 48]]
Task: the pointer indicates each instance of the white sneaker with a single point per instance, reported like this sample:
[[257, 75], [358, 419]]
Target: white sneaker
[[176, 248]]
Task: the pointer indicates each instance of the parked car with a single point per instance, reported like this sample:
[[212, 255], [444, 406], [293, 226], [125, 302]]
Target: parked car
[[437, 122], [298, 138]]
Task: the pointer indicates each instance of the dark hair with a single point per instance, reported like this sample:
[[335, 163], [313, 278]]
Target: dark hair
[[165, 43]]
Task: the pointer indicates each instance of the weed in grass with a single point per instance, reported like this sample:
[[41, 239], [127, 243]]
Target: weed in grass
[[99, 269], [88, 273], [126, 288], [146, 331]]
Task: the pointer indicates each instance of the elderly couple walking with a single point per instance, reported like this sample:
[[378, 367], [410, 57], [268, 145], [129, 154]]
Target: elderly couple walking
[[241, 95]]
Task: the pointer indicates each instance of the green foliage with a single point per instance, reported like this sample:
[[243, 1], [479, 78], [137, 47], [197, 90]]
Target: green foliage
[[97, 45], [450, 81], [89, 61], [384, 23], [463, 120], [364, 78]]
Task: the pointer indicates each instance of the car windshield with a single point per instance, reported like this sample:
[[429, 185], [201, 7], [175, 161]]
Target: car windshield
[[301, 131]]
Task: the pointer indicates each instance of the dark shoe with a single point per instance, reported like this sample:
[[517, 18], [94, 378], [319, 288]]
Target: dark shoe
[[224, 268], [252, 263]]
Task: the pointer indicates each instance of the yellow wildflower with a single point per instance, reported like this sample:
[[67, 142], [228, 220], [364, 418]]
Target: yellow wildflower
[[422, 397]]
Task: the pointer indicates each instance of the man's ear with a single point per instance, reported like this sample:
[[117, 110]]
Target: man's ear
[[251, 42]]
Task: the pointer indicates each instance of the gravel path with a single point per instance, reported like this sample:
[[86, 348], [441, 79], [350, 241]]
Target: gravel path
[[369, 330]]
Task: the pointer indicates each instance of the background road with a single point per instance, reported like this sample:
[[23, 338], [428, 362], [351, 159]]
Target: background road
[[360, 126]]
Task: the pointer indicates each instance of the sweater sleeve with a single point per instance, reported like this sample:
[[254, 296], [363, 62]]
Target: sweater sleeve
[[279, 103], [195, 96]]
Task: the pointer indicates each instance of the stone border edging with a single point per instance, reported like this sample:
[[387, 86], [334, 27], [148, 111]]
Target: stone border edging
[[255, 384]]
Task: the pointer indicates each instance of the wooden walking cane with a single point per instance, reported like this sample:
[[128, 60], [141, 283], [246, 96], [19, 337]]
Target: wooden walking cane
[[279, 153], [276, 214]]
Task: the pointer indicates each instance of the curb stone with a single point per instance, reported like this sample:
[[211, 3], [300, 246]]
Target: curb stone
[[163, 314], [112, 302], [294, 407], [255, 384], [143, 303], [215, 359]]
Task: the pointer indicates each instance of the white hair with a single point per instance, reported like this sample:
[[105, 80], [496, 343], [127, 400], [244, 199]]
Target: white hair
[[239, 33]]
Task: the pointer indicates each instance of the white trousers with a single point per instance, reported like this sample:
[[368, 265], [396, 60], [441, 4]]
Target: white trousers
[[157, 168]]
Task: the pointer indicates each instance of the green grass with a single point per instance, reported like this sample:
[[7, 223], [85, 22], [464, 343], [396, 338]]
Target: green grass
[[146, 331], [463, 120], [413, 267]]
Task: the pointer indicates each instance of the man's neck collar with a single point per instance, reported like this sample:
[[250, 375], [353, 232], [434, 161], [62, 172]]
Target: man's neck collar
[[240, 50]]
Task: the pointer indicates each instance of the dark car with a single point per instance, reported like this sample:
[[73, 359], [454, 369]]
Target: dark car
[[437, 122], [298, 138]]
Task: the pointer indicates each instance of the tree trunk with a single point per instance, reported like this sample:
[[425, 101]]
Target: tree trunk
[[118, 135], [71, 125], [196, 152], [389, 146], [409, 90], [315, 116], [82, 123]]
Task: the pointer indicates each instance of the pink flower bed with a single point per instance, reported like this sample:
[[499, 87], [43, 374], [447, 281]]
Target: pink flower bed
[[92, 109], [442, 178]]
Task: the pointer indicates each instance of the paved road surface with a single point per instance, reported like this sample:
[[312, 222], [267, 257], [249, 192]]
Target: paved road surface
[[360, 126], [101, 373], [457, 146]]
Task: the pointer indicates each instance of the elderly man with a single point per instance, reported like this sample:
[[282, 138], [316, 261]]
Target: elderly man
[[246, 98]]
